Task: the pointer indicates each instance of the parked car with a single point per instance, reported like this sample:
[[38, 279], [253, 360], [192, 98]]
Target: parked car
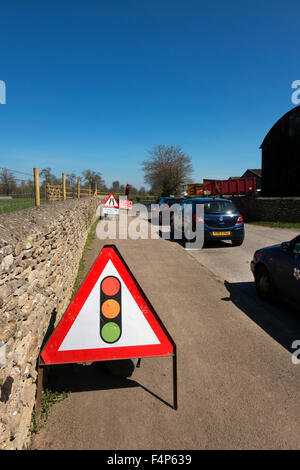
[[222, 220], [165, 204], [276, 271]]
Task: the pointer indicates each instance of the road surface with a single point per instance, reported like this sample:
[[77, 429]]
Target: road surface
[[237, 385]]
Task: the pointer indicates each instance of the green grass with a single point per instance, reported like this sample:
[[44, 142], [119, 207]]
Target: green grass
[[276, 224], [89, 239], [49, 397], [17, 204]]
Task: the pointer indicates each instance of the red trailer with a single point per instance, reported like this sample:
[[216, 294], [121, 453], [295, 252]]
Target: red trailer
[[235, 186]]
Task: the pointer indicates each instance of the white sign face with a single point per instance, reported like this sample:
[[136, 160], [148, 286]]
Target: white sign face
[[84, 333], [110, 211]]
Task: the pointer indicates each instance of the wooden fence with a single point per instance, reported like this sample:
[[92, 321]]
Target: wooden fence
[[62, 192]]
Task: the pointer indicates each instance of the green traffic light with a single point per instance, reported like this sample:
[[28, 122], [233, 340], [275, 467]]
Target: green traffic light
[[110, 332]]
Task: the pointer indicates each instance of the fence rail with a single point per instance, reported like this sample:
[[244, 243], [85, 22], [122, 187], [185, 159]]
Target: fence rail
[[62, 191], [20, 190]]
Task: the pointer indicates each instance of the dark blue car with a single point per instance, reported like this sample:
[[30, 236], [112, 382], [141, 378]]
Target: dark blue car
[[165, 203], [276, 271], [222, 219]]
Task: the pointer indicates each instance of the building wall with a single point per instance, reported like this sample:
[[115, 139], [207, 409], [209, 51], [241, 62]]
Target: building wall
[[249, 174], [281, 157]]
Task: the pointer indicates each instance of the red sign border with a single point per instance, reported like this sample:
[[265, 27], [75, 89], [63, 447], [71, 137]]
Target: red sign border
[[50, 353], [111, 194]]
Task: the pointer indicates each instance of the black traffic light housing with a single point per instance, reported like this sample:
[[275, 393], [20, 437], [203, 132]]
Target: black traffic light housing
[[127, 188], [110, 309]]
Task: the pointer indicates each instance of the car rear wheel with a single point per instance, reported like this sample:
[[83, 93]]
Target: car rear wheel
[[263, 284]]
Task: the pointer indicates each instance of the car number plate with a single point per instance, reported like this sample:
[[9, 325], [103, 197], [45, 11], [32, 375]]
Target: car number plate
[[221, 233]]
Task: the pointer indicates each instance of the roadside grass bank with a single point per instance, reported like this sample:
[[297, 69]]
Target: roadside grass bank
[[49, 397], [275, 224], [89, 240]]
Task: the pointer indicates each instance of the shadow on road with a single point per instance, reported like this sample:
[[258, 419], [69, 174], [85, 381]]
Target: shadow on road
[[87, 377], [278, 320], [207, 244]]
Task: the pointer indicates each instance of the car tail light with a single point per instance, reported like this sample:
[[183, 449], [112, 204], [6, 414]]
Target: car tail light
[[198, 219], [240, 219]]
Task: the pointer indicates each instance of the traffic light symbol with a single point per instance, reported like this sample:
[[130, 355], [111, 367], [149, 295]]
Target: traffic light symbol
[[110, 309]]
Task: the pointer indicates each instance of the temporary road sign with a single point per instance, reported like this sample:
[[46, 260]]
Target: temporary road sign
[[124, 204], [110, 210], [109, 318], [111, 201]]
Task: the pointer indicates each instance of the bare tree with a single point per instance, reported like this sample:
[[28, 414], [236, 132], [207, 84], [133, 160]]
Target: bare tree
[[7, 182], [167, 169], [93, 177], [115, 187], [71, 179], [48, 177]]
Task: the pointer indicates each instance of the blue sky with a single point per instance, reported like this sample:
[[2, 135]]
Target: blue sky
[[95, 84]]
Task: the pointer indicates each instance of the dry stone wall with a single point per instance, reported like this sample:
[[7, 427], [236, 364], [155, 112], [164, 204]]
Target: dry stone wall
[[40, 250], [270, 209]]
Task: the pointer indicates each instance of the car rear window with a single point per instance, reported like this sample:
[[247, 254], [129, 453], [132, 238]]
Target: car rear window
[[174, 201], [219, 207]]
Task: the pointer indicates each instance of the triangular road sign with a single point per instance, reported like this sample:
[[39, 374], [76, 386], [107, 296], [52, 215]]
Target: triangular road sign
[[111, 201], [109, 318]]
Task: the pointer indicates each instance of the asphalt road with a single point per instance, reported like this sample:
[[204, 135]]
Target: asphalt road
[[233, 263], [237, 385]]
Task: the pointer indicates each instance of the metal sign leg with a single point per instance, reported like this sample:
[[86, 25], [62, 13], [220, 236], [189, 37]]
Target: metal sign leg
[[175, 398]]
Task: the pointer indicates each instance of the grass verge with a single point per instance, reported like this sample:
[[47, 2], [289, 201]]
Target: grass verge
[[89, 239], [276, 224], [49, 397]]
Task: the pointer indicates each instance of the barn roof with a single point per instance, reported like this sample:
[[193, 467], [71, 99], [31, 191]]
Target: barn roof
[[295, 110], [255, 171]]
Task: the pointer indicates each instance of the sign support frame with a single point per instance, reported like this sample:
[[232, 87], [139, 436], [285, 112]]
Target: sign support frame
[[40, 377]]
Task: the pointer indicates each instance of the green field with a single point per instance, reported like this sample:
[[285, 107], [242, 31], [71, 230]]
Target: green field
[[17, 204]]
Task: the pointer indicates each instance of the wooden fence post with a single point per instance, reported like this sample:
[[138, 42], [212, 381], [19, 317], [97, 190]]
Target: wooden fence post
[[64, 186], [36, 186], [95, 194], [90, 189], [78, 188]]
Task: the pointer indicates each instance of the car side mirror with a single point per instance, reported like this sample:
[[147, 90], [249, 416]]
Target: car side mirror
[[285, 246]]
